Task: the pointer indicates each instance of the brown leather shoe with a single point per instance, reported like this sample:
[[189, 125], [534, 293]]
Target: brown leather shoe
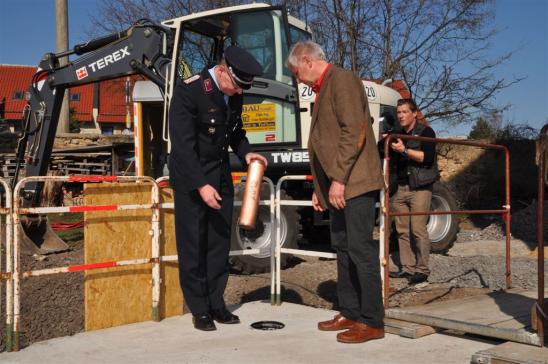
[[339, 322], [360, 333]]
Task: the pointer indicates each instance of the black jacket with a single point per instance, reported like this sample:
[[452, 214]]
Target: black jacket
[[201, 128], [417, 174]]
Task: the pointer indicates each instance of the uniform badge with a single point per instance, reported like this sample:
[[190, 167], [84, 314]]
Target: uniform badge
[[208, 86], [211, 130], [211, 110], [189, 80]]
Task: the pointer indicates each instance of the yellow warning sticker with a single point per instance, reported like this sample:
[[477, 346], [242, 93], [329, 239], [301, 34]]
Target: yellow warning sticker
[[259, 117]]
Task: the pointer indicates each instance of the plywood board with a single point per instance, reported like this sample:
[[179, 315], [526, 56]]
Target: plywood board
[[504, 315], [505, 309], [123, 295], [171, 303]]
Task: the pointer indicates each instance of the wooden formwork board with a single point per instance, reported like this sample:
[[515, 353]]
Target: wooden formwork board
[[123, 295], [504, 315]]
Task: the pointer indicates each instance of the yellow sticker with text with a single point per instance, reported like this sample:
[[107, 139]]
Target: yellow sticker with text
[[259, 117]]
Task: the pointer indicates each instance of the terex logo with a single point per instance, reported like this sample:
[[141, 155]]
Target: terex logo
[[111, 58], [290, 157]]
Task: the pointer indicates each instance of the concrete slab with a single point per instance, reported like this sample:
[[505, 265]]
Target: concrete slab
[[174, 340]]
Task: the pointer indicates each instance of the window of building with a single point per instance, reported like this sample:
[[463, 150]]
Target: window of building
[[75, 96], [107, 130], [18, 95]]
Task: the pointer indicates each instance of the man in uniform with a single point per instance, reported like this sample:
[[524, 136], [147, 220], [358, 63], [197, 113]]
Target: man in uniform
[[204, 120]]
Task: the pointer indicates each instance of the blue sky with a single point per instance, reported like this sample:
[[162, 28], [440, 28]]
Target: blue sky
[[27, 31]]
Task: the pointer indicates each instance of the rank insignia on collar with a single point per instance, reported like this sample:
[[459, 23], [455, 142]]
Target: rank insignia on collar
[[211, 130], [208, 86]]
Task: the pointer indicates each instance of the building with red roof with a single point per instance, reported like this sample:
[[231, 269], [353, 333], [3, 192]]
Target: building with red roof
[[113, 98]]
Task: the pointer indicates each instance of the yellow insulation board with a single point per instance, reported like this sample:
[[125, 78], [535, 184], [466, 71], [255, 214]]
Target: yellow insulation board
[[123, 295]]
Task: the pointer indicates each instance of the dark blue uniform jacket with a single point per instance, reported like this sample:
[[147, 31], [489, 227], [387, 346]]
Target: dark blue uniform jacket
[[201, 127]]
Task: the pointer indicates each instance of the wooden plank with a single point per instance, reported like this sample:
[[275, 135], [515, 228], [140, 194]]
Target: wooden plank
[[408, 329], [504, 315], [511, 353], [517, 335], [123, 295], [489, 309]]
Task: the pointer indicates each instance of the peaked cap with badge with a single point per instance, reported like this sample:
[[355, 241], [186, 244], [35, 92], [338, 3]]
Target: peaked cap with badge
[[242, 66]]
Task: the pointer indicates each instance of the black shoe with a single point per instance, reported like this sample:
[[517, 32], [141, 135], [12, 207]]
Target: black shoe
[[224, 316], [418, 278], [400, 274], [203, 322]]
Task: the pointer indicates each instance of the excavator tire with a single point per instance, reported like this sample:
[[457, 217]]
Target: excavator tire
[[262, 235]]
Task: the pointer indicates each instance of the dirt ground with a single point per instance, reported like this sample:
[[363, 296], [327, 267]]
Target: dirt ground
[[53, 306]]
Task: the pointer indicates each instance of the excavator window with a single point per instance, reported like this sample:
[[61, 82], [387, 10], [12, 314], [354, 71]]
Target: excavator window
[[196, 53]]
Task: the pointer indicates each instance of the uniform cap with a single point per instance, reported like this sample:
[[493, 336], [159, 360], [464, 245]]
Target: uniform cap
[[242, 65]]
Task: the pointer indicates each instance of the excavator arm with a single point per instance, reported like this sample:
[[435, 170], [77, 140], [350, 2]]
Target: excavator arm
[[144, 48]]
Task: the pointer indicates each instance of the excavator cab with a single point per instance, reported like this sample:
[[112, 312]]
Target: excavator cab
[[165, 54], [271, 114]]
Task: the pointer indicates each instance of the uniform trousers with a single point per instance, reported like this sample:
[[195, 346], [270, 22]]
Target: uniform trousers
[[359, 286], [203, 244], [413, 257]]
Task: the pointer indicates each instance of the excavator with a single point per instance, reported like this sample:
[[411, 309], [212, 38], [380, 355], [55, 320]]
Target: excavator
[[276, 116], [144, 48]]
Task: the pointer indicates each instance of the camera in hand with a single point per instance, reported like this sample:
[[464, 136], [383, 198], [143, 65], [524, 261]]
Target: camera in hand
[[388, 124]]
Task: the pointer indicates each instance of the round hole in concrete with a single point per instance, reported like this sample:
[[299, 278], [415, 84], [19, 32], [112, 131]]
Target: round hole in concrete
[[267, 325]]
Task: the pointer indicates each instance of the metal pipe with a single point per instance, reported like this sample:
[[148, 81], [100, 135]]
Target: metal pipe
[[277, 252], [16, 274], [541, 310], [252, 195], [386, 225], [155, 252], [456, 212], [9, 282], [507, 217]]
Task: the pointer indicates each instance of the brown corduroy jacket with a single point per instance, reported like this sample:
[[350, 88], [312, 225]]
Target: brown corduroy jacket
[[342, 145]]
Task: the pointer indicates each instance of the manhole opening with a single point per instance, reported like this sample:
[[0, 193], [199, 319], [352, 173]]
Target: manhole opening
[[267, 325]]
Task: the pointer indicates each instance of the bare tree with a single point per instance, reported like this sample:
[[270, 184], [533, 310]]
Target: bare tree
[[439, 48]]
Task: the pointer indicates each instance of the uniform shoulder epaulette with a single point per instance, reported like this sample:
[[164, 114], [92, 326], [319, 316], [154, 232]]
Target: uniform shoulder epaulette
[[189, 80]]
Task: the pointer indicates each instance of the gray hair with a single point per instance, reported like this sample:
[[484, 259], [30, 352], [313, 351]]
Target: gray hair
[[307, 48]]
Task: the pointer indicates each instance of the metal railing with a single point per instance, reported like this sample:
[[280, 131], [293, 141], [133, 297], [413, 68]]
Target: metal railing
[[385, 200], [18, 211], [6, 275], [541, 307], [164, 182]]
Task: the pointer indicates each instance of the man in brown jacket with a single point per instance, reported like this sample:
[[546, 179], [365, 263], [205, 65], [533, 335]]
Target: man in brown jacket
[[347, 175]]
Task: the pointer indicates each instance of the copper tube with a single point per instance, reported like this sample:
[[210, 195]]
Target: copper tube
[[252, 195]]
